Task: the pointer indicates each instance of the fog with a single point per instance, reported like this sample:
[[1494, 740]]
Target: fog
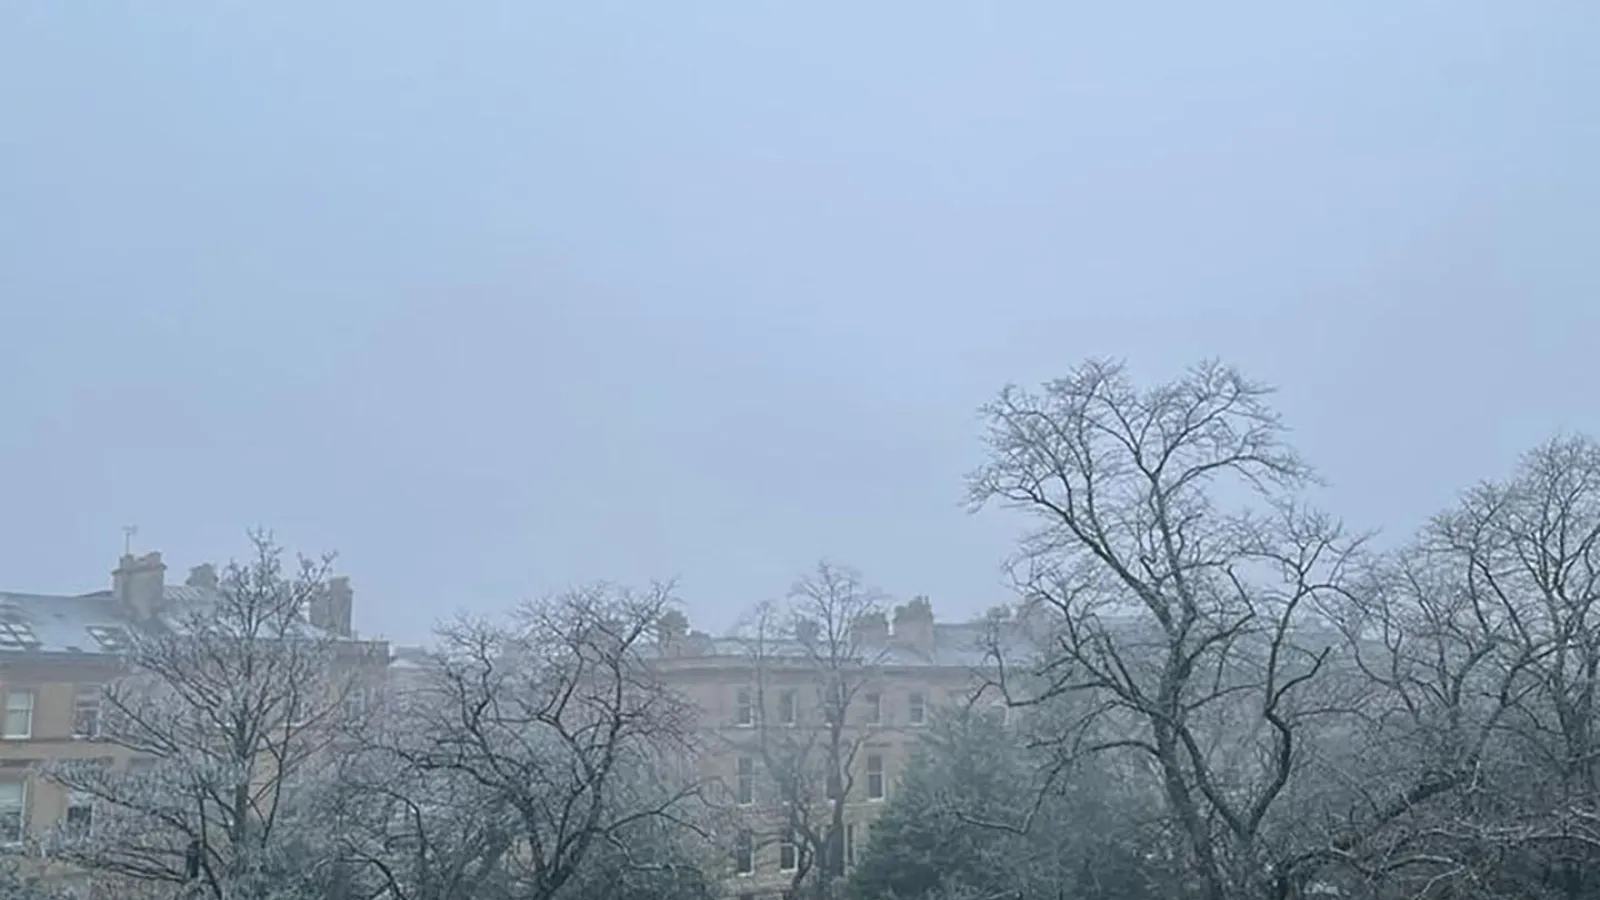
[[500, 301], [496, 301]]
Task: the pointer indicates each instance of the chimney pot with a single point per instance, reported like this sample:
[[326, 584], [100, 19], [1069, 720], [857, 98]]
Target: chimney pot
[[870, 629], [331, 609], [203, 576], [140, 583], [913, 625], [671, 630], [806, 631]]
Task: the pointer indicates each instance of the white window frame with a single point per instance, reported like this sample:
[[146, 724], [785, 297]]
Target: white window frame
[[744, 790], [302, 712], [788, 848], [917, 708], [356, 701], [81, 800], [86, 705], [13, 840], [836, 702], [744, 846], [878, 773], [6, 732], [874, 700], [744, 708], [788, 707]]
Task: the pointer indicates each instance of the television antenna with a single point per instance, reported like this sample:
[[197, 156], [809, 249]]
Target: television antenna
[[128, 531]]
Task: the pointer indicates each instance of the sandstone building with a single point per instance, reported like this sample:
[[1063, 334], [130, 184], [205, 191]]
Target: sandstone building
[[807, 734], [56, 652]]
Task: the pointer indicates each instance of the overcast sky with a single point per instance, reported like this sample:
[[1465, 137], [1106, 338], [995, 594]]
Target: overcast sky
[[493, 298]]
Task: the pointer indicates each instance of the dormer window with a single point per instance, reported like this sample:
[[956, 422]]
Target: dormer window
[[111, 638], [15, 632]]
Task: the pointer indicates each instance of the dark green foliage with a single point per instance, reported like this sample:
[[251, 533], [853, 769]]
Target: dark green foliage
[[977, 815], [14, 885], [926, 835]]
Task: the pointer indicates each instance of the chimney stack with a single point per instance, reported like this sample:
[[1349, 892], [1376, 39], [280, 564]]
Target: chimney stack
[[331, 609], [203, 576], [870, 629], [913, 625], [806, 631], [139, 582], [1034, 621], [672, 628]]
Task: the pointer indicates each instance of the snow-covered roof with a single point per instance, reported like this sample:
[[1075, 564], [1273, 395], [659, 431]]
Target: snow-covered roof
[[955, 644], [409, 657], [93, 624], [71, 623]]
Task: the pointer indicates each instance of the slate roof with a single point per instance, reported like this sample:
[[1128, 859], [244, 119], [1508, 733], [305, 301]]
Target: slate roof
[[76, 624], [52, 624], [409, 657], [955, 644]]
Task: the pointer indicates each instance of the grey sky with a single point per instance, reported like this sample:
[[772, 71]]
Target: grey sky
[[495, 297]]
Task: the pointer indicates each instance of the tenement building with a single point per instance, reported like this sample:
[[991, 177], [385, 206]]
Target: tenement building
[[58, 650], [808, 732]]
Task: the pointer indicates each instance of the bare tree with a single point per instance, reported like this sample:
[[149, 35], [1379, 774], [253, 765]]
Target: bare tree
[[16, 885], [529, 753], [1486, 641], [421, 836], [812, 709], [229, 706], [1187, 580]]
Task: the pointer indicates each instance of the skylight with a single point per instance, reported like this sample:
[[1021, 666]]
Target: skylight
[[17, 636], [111, 638]]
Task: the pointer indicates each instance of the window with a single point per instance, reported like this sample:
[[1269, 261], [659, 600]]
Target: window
[[874, 777], [837, 701], [744, 708], [788, 708], [86, 714], [744, 788], [111, 638], [835, 785], [355, 701], [874, 702], [298, 711], [19, 715], [744, 854], [788, 856], [80, 813], [15, 633], [917, 714], [849, 843], [13, 800]]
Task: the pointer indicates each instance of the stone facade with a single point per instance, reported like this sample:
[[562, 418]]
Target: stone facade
[[57, 651], [768, 736]]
